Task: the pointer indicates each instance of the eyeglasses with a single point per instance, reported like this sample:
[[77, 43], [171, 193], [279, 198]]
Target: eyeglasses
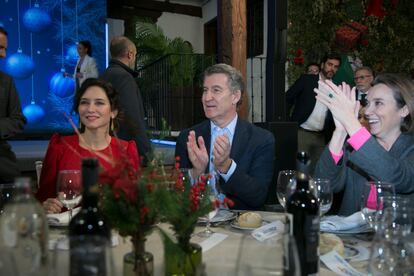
[[362, 77]]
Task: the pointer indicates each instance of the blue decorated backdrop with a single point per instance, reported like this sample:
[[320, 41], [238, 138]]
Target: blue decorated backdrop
[[34, 56]]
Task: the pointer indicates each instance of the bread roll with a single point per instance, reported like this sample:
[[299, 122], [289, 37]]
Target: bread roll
[[250, 220], [329, 242]]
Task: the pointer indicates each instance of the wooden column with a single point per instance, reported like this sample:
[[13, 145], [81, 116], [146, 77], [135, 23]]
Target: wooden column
[[233, 37]]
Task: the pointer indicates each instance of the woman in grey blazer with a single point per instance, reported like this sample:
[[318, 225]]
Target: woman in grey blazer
[[384, 152]]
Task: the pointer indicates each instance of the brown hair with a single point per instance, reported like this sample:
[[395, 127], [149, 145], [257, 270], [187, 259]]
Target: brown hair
[[403, 92]]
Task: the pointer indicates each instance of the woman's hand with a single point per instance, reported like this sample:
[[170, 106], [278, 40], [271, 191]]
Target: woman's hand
[[52, 205], [342, 103]]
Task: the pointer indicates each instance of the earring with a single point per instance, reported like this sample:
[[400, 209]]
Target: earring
[[80, 125], [111, 126]]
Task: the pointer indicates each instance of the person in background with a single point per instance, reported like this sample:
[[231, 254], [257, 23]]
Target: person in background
[[312, 68], [363, 78], [384, 153], [120, 73], [86, 65], [97, 104], [238, 152], [12, 119], [315, 122]]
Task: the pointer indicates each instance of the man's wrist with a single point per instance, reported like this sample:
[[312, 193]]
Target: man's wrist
[[225, 167]]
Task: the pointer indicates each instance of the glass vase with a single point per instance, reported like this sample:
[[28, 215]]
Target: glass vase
[[138, 262], [183, 261]]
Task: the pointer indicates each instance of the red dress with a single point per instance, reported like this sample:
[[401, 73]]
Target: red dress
[[64, 153]]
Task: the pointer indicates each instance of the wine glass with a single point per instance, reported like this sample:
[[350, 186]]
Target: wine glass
[[69, 188], [392, 249], [212, 193], [373, 193], [323, 192], [286, 184]]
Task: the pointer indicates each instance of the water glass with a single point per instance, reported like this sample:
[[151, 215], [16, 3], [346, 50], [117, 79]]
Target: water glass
[[372, 200], [277, 255], [286, 184]]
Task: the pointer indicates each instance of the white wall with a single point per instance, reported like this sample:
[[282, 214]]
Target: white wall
[[187, 27]]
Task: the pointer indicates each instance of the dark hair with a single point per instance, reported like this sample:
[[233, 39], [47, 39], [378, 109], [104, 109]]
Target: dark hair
[[87, 44], [3, 31], [332, 55], [366, 68], [110, 92], [403, 92], [120, 46], [235, 78]]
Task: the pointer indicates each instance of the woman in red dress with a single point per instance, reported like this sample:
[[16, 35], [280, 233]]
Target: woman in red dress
[[97, 104]]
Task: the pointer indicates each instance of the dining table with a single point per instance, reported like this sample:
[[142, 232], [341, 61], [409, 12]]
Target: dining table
[[229, 251]]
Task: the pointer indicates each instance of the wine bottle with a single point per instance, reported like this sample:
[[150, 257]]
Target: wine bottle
[[304, 207], [88, 232]]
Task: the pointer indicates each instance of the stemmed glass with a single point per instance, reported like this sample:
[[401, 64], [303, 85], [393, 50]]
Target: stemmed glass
[[372, 200], [212, 193], [323, 192], [392, 249], [69, 187], [286, 184]]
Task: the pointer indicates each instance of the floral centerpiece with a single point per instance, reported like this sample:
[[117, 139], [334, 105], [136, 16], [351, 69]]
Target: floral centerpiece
[[182, 206], [129, 201]]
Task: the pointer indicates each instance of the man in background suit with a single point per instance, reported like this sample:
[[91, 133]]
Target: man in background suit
[[241, 154], [363, 78], [120, 73], [315, 125], [12, 120]]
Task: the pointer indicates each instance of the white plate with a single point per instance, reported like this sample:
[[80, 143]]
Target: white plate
[[236, 225]]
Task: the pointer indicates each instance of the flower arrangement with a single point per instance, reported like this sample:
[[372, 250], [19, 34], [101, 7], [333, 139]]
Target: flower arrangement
[[129, 201], [182, 206]]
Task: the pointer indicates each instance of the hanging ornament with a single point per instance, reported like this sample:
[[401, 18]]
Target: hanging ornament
[[34, 113], [62, 86], [376, 9], [36, 19], [72, 53], [19, 65]]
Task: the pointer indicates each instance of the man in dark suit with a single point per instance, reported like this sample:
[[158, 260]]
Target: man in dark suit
[[239, 153], [12, 120], [315, 124], [120, 73], [363, 78]]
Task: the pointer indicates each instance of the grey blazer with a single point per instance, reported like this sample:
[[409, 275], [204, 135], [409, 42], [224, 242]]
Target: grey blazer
[[370, 162]]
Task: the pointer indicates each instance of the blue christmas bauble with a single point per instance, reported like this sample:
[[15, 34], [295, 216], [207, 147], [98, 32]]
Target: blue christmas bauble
[[19, 65], [36, 19], [33, 113], [72, 53], [62, 86]]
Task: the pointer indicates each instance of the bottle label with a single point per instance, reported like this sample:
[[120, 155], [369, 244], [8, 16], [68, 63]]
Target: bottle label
[[88, 257], [312, 238]]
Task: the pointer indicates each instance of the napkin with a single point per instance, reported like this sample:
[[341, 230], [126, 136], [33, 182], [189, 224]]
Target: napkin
[[338, 223], [61, 219]]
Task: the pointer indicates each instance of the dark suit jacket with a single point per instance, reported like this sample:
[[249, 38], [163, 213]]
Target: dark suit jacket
[[252, 150], [12, 122], [301, 98], [133, 125]]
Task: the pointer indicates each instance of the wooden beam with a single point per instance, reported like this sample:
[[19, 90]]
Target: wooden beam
[[233, 36], [157, 6]]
